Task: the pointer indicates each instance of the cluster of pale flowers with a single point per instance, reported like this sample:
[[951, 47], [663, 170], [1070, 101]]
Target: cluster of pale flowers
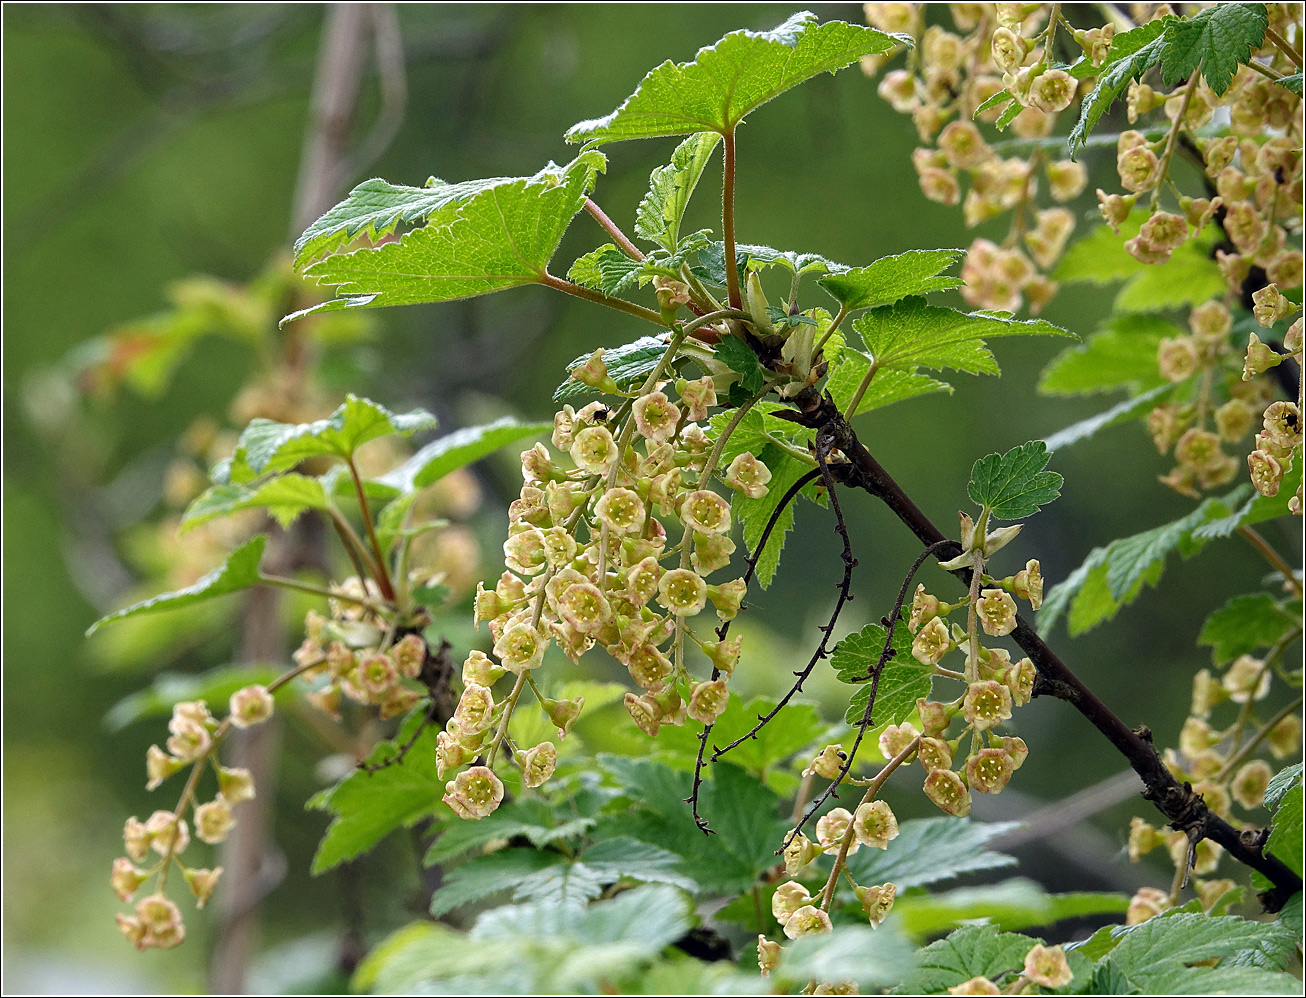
[[194, 737], [995, 685], [1229, 393], [584, 566], [948, 77]]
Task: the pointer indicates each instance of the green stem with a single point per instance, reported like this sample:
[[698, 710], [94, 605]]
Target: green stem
[[873, 788], [838, 318], [308, 587], [383, 573], [1262, 546], [1173, 138], [1282, 45], [861, 390], [1236, 759], [728, 222], [351, 542], [599, 298], [619, 237], [710, 466]]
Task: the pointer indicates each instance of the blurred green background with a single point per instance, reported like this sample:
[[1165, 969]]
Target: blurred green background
[[148, 143]]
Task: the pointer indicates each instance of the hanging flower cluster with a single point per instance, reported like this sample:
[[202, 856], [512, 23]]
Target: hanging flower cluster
[[1009, 53], [589, 561]]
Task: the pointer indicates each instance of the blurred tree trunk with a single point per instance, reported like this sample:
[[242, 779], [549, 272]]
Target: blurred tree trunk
[[251, 862]]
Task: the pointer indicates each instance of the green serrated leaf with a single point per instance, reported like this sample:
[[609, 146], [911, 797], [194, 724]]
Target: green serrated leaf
[[1257, 508], [1123, 412], [726, 81], [267, 446], [754, 257], [1153, 954], [1292, 83], [902, 682], [627, 364], [1132, 54], [1009, 114], [375, 208], [1283, 781], [1285, 839], [501, 871], [911, 334], [749, 434], [1190, 277], [1114, 575], [285, 497], [1121, 355], [888, 386], [795, 728], [605, 269], [736, 355], [1001, 97], [500, 238], [892, 278], [1246, 623], [971, 951], [1014, 485], [1215, 41], [238, 571], [367, 806], [457, 450], [670, 187], [871, 958], [931, 850]]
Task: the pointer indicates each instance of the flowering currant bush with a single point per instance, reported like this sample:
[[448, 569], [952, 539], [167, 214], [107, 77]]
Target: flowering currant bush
[[661, 500]]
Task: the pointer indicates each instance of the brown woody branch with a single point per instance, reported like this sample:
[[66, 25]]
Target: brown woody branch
[[1185, 810]]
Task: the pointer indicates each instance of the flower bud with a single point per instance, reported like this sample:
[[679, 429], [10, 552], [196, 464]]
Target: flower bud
[[538, 764], [948, 792], [474, 793], [1115, 208], [251, 705], [167, 835], [594, 373], [235, 784], [807, 920], [997, 612], [645, 712], [989, 771], [768, 955], [656, 417], [1047, 966], [202, 884], [1270, 306], [520, 647], [159, 766], [1028, 584], [987, 704], [682, 592], [799, 853], [708, 701], [831, 830], [214, 820], [748, 475], [924, 608], [828, 762], [563, 713], [1147, 903], [874, 824], [727, 598], [934, 753], [787, 899], [935, 717], [975, 986], [126, 879], [1249, 783], [896, 738], [711, 552], [932, 642]]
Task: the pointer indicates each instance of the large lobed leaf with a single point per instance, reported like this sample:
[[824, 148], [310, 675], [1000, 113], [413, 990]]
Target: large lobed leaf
[[267, 446], [1132, 54], [892, 278], [1114, 574], [1120, 355], [501, 237], [911, 334], [931, 850], [376, 207], [1014, 485], [902, 682], [238, 571], [742, 71], [1246, 623], [368, 806], [627, 364], [457, 450], [670, 187]]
